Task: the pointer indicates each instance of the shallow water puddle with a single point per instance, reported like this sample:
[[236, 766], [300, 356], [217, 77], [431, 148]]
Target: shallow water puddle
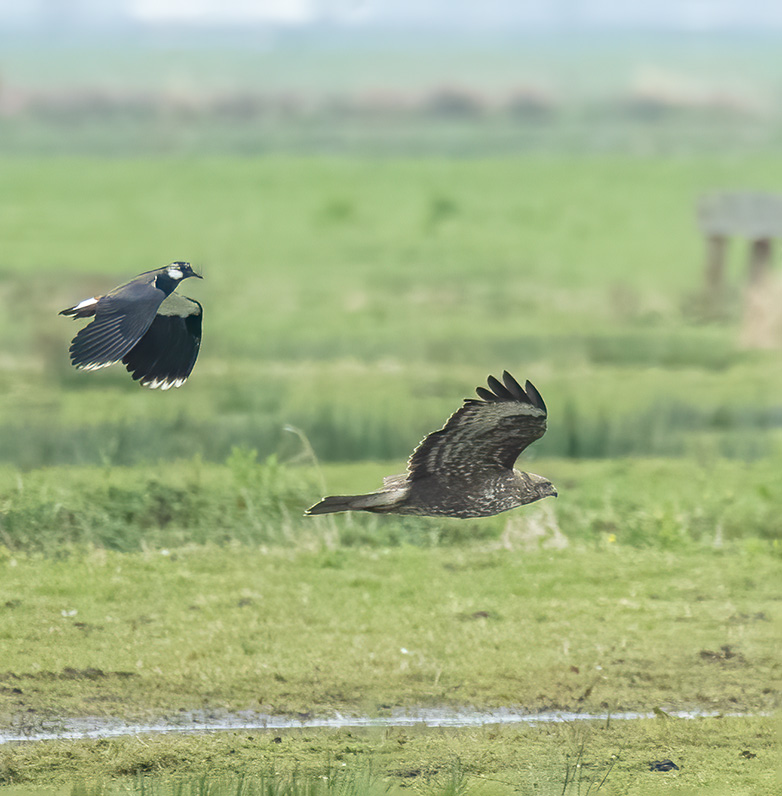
[[93, 727]]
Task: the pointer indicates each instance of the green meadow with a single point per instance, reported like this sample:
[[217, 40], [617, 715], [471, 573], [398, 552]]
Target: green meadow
[[722, 756], [369, 632], [359, 300], [153, 554]]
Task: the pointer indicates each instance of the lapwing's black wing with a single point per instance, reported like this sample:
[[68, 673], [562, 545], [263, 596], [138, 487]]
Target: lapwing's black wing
[[165, 355], [485, 433], [121, 319]]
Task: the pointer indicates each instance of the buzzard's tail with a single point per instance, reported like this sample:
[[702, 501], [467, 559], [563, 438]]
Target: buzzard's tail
[[384, 500]]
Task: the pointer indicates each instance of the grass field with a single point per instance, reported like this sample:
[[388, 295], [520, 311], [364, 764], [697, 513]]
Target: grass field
[[158, 539], [366, 631], [359, 301], [723, 756], [297, 633]]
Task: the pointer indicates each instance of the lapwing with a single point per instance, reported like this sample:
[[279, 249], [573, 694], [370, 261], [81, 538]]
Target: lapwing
[[153, 331]]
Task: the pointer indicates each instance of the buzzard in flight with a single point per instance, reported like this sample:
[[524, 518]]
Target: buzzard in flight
[[466, 468], [153, 331]]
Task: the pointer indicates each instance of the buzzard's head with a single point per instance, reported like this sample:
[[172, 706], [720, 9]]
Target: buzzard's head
[[540, 487]]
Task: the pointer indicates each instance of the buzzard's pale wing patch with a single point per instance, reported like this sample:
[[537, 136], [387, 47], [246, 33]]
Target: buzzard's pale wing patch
[[484, 433]]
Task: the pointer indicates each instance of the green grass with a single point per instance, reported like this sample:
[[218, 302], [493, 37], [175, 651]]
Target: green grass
[[658, 503], [565, 760], [286, 631], [218, 629], [358, 301], [342, 298]]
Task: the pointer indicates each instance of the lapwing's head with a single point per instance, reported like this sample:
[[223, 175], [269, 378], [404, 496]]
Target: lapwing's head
[[180, 270]]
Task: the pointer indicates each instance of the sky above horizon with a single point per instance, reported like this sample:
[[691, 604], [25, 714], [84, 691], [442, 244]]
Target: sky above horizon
[[690, 15]]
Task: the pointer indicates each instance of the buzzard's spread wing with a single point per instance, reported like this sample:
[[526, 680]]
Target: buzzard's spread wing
[[120, 322], [166, 354], [486, 433]]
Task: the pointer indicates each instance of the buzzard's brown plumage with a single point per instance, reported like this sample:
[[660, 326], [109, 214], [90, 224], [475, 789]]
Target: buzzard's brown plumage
[[466, 468]]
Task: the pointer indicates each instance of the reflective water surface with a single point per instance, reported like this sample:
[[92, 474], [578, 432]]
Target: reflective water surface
[[194, 722]]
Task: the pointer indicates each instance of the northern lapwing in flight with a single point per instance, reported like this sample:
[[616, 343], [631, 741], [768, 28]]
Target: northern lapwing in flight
[[153, 331]]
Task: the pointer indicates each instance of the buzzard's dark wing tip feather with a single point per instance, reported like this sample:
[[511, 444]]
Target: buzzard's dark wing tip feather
[[485, 394], [511, 390], [535, 397], [499, 389], [514, 387]]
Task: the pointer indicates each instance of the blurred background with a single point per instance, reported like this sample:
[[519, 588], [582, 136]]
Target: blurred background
[[376, 76], [390, 200]]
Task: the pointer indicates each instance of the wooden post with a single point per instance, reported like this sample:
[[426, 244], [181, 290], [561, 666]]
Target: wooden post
[[757, 218], [714, 273], [760, 328], [759, 262]]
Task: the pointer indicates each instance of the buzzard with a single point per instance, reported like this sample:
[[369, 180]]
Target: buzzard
[[466, 468], [153, 331]]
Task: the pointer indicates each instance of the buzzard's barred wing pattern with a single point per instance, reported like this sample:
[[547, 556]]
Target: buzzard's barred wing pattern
[[485, 433], [164, 357]]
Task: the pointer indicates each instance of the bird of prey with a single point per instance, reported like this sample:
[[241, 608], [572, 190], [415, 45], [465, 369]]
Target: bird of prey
[[153, 331], [466, 468]]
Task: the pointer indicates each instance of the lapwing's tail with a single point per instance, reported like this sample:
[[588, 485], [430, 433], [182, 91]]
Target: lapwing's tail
[[84, 309]]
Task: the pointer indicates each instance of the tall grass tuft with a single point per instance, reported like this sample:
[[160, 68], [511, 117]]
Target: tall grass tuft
[[245, 500], [361, 782]]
